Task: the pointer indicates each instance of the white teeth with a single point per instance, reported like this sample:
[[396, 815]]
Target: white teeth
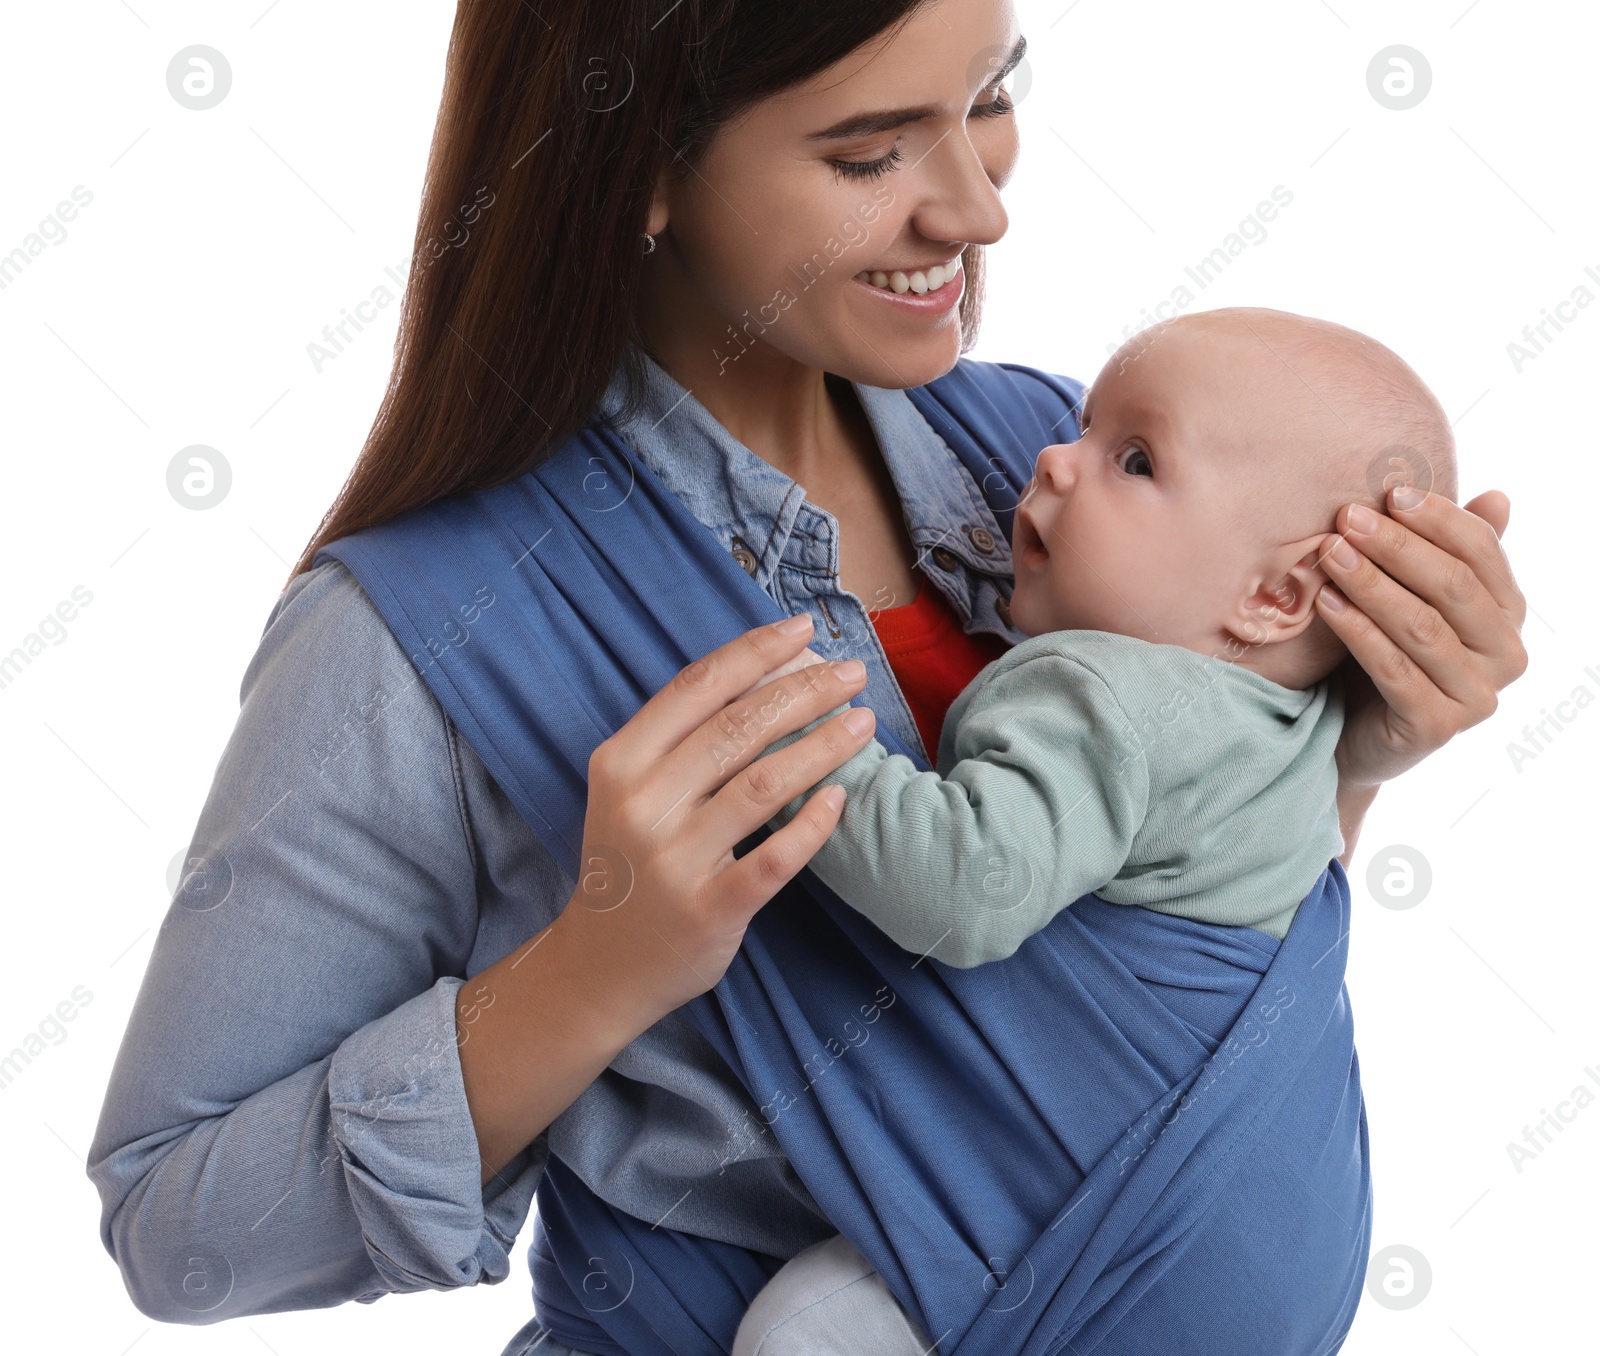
[[916, 282]]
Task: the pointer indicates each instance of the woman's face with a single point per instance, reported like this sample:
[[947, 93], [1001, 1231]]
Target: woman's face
[[888, 163]]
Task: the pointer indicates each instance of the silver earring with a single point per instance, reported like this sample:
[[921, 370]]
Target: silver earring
[[651, 243]]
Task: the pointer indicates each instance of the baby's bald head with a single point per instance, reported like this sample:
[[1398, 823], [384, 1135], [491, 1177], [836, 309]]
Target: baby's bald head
[[1331, 413], [1367, 418], [1217, 449]]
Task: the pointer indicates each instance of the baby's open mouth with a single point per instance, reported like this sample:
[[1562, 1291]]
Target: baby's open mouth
[[1030, 546]]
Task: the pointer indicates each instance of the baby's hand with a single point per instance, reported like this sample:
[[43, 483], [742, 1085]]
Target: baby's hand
[[804, 659]]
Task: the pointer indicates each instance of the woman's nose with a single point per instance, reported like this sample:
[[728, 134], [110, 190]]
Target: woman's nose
[[964, 200]]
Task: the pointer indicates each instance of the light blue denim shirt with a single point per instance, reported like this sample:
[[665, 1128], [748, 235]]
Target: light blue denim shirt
[[285, 1126]]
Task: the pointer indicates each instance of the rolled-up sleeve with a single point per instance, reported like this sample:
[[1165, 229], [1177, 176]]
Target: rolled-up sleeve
[[285, 1125], [410, 1154]]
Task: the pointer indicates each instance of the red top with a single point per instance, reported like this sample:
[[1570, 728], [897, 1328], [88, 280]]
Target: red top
[[932, 657]]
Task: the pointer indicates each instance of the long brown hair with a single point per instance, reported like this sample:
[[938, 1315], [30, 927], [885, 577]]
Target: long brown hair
[[554, 127]]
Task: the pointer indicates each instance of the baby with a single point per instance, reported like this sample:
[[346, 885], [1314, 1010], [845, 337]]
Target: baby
[[1165, 736]]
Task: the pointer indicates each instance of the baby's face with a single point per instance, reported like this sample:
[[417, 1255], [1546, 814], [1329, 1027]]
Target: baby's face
[[1171, 519]]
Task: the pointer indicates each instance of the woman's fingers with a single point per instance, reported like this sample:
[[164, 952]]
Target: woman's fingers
[[1435, 625], [699, 690], [1459, 626], [1493, 507], [657, 842], [1467, 538], [662, 789], [1414, 713], [773, 776], [754, 878], [1401, 640]]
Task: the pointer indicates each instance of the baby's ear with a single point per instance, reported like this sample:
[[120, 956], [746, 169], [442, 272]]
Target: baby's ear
[[1280, 602]]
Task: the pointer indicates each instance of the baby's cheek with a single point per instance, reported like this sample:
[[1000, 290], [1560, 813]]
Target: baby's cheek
[[1147, 590]]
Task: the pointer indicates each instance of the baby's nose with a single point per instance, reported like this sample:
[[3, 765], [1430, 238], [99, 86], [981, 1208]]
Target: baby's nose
[[1054, 466]]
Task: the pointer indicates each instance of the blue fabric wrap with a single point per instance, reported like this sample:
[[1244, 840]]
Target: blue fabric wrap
[[1138, 1133]]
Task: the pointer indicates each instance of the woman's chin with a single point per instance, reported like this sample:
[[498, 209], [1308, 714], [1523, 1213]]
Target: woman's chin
[[886, 356]]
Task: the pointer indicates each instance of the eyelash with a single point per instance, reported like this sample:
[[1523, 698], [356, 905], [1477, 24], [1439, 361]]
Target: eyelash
[[868, 169], [997, 107], [1134, 447]]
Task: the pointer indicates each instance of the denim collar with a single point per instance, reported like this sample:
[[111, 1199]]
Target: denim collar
[[738, 495]]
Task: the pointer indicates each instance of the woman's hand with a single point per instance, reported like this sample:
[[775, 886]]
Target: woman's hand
[[1435, 628], [662, 903]]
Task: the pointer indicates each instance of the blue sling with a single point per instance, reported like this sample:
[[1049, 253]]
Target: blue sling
[[1138, 1133]]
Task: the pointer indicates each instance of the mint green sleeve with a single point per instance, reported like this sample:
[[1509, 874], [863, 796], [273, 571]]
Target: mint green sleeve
[[1044, 789]]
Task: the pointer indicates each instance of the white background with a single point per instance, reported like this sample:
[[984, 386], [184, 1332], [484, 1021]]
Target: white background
[[178, 310]]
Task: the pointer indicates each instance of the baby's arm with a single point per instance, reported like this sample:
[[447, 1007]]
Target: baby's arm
[[1043, 792]]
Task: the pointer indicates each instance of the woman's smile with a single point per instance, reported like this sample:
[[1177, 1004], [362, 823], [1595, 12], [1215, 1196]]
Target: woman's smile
[[931, 290], [915, 279]]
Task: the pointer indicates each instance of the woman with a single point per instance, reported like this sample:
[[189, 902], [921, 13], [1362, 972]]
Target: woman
[[310, 1105]]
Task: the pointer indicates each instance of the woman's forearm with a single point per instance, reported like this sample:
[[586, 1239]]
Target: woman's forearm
[[534, 1030], [1353, 807]]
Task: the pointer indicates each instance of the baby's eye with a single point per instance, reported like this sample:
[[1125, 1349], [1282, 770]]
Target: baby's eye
[[1135, 461]]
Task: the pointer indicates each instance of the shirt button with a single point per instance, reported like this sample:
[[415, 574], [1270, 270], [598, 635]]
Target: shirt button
[[744, 556], [1003, 608], [983, 539], [945, 559]]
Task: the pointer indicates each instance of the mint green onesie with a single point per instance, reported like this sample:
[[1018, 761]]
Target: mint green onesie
[[1079, 762]]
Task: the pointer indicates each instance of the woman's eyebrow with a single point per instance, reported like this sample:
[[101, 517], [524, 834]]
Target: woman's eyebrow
[[865, 124], [1010, 63]]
